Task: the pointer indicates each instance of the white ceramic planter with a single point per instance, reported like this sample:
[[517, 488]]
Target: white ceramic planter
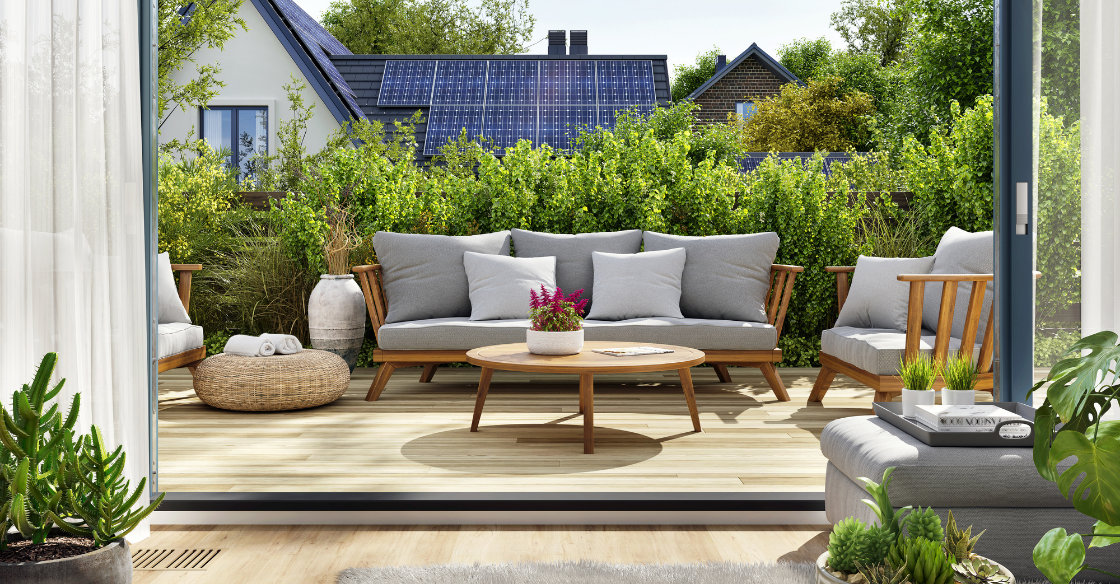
[[824, 577], [958, 397], [553, 343], [336, 317], [912, 398]]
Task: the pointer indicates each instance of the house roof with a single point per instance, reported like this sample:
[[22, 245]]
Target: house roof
[[763, 58], [311, 46]]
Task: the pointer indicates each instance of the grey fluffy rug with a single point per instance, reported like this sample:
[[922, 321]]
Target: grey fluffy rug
[[584, 573]]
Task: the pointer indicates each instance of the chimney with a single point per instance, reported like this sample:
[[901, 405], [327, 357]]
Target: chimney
[[721, 63], [579, 43], [557, 42]]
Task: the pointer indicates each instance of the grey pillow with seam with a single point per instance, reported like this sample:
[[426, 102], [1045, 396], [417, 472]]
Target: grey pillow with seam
[[500, 285], [960, 252], [423, 275], [639, 285], [877, 299], [170, 305], [574, 268], [726, 277]]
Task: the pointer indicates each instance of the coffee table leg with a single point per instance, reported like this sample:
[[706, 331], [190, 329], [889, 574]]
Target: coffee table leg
[[587, 395], [690, 397], [483, 387]]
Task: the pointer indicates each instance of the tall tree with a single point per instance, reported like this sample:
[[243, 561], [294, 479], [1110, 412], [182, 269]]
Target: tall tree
[[687, 78], [879, 27], [804, 56], [431, 27], [212, 23]]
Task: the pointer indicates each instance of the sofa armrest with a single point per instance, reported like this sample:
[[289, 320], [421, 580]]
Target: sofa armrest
[[946, 313], [781, 288], [370, 279], [841, 283], [186, 274]]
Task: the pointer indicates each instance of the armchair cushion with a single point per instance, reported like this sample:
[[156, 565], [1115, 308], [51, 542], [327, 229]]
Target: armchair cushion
[[170, 305], [725, 276], [176, 337], [876, 350], [638, 285], [877, 299], [500, 285], [574, 269], [423, 275], [960, 252]]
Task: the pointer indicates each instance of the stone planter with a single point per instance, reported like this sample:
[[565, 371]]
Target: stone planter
[[336, 317], [554, 343], [824, 577], [111, 564], [958, 397], [912, 398]]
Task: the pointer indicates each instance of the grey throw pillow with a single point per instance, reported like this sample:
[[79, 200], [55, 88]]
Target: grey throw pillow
[[423, 275], [876, 298], [499, 285], [960, 252], [639, 285], [170, 305], [726, 277], [573, 253]]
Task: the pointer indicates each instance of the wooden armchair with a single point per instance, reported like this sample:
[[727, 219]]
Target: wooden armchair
[[781, 287], [888, 386], [191, 358]]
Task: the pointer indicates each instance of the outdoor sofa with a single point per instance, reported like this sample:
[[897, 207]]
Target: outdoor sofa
[[733, 298]]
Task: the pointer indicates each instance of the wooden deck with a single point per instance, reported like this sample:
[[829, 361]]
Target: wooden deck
[[416, 438]]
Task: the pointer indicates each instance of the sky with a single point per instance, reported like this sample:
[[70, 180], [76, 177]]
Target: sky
[[678, 29]]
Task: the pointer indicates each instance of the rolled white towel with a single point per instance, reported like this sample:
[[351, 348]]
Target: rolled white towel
[[247, 346], [285, 344]]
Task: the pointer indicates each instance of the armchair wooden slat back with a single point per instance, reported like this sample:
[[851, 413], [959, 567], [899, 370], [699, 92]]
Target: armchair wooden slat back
[[370, 279], [946, 314], [781, 288]]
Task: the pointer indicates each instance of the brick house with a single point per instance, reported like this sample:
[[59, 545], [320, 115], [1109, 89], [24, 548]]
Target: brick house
[[736, 86]]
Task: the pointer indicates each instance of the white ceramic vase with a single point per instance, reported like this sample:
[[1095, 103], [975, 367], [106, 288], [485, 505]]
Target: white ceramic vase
[[912, 398], [554, 343], [336, 317], [958, 397]]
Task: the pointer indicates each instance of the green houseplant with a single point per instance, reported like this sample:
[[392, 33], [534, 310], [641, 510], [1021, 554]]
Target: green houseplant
[[918, 375], [1082, 388], [960, 374], [555, 322]]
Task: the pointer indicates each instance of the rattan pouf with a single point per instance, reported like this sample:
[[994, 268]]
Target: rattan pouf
[[267, 384]]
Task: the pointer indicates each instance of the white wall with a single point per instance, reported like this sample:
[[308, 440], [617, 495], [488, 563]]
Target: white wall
[[255, 68]]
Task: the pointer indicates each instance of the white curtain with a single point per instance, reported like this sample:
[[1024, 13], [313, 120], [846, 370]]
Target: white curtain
[[72, 277]]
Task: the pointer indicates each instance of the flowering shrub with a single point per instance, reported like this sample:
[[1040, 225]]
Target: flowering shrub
[[554, 312]]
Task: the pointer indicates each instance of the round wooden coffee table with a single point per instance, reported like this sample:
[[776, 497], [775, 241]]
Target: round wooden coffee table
[[586, 364]]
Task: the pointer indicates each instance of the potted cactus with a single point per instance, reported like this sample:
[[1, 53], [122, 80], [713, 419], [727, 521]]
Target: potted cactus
[[67, 499]]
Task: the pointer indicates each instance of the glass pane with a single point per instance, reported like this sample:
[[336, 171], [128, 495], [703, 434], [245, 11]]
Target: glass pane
[[252, 139], [217, 130]]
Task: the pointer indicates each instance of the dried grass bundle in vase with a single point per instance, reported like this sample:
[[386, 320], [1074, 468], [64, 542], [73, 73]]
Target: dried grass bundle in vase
[[341, 240]]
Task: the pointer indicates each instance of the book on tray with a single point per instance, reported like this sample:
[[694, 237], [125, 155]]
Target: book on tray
[[632, 351], [975, 418]]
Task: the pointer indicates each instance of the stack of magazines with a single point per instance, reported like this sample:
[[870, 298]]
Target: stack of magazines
[[976, 418]]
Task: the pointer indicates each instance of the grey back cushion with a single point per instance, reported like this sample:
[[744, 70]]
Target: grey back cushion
[[170, 305], [960, 252], [877, 299], [574, 269], [638, 285], [423, 275], [500, 285], [726, 277]]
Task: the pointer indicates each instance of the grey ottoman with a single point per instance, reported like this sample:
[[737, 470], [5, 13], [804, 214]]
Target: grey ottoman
[[997, 489]]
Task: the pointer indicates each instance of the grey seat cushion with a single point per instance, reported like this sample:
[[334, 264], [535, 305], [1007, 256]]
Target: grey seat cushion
[[960, 252], [423, 275], [464, 334], [725, 276], [877, 299], [866, 446], [574, 270], [877, 351], [176, 337]]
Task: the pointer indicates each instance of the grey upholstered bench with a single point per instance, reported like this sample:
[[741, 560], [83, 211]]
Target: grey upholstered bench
[[997, 489]]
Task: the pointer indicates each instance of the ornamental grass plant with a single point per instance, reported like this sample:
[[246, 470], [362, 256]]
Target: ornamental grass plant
[[959, 372], [918, 373]]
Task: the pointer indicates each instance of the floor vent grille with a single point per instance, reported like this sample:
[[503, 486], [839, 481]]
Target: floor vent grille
[[173, 559]]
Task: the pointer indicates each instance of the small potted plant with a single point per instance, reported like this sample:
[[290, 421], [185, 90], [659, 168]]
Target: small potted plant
[[960, 375], [917, 375], [555, 322]]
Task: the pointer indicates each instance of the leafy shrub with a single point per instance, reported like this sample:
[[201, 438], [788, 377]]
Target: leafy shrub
[[194, 194], [1059, 216], [818, 116]]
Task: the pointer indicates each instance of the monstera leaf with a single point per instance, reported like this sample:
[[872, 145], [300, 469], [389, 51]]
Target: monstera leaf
[[1059, 556], [1072, 380], [1110, 535], [1098, 459]]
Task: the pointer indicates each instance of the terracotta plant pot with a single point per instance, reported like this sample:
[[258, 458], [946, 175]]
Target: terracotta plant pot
[[111, 564], [824, 577], [554, 343]]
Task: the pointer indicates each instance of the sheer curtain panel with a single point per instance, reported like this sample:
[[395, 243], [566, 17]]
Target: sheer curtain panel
[[72, 265]]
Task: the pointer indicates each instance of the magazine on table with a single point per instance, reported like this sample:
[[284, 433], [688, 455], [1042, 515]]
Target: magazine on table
[[632, 351]]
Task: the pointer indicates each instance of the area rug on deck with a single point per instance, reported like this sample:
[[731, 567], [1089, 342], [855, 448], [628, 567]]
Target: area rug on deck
[[584, 573]]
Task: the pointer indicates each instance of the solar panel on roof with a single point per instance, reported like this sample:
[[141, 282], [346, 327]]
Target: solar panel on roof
[[568, 82], [407, 83], [625, 82], [505, 125], [511, 82], [608, 114], [446, 122], [559, 125], [459, 83]]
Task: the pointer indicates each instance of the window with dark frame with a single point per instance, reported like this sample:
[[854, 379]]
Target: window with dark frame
[[745, 109], [239, 131]]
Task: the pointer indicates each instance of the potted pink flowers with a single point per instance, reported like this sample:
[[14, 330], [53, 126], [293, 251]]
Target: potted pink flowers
[[555, 322]]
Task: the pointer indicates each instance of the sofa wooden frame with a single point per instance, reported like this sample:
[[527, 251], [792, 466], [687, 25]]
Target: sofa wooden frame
[[781, 287], [888, 386], [191, 358]]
